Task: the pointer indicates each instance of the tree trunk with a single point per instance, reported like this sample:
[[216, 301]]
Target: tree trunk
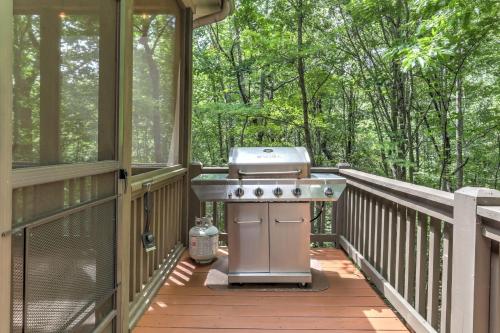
[[459, 133], [409, 129], [302, 82], [220, 137]]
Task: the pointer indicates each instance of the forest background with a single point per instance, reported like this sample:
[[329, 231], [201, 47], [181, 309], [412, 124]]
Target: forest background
[[404, 89]]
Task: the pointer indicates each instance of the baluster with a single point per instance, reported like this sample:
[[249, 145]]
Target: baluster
[[143, 260], [361, 222], [446, 278], [366, 224], [179, 213], [158, 222], [358, 220], [421, 264], [434, 267], [371, 231], [400, 248], [225, 220], [378, 234], [170, 218], [179, 206], [384, 263], [168, 231], [180, 185], [336, 219], [353, 216], [391, 260], [133, 266], [161, 235], [349, 214], [137, 242], [321, 222], [410, 257]]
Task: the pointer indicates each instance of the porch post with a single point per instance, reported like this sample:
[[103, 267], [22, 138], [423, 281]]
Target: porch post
[[186, 114], [340, 209], [194, 206], [6, 55], [125, 156], [471, 261]]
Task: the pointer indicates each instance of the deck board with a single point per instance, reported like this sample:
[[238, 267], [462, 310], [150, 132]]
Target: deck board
[[184, 305]]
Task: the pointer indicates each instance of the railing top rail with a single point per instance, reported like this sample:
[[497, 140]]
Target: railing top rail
[[437, 196], [156, 176], [489, 212]]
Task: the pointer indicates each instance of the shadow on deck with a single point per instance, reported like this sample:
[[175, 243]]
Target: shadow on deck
[[184, 304]]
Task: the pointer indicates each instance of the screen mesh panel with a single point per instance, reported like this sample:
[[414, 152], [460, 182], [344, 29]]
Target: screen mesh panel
[[17, 282], [156, 66], [64, 81], [69, 271]]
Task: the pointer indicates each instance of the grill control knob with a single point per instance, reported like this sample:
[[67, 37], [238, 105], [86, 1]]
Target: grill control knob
[[329, 192], [278, 191], [297, 191], [239, 192], [258, 192]]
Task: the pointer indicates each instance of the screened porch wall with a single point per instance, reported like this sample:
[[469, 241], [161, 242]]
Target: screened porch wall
[[65, 152], [90, 87]]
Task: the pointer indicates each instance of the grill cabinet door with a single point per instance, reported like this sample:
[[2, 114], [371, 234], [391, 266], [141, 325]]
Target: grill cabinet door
[[248, 231], [289, 229]]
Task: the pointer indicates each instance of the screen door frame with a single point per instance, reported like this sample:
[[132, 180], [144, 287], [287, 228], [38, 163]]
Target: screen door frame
[[6, 59], [11, 179]]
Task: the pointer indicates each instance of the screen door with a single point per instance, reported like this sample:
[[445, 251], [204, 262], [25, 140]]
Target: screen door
[[65, 165]]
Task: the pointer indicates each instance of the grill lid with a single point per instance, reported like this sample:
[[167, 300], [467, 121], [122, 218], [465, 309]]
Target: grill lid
[[259, 162]]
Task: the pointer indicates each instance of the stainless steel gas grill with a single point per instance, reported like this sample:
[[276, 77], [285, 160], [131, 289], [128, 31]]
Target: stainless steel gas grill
[[268, 192]]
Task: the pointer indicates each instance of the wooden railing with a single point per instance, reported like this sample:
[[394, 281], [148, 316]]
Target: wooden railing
[[323, 231], [432, 254], [401, 235], [162, 191]]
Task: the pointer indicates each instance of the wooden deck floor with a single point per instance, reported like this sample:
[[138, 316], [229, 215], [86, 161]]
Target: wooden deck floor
[[183, 304]]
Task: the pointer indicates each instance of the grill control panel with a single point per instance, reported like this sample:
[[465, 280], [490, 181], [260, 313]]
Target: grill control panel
[[323, 187], [291, 192]]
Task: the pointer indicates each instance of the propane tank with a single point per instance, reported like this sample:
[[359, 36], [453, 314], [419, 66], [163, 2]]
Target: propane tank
[[203, 240]]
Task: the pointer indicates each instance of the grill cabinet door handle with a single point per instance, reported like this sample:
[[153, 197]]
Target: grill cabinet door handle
[[293, 221], [247, 222], [270, 173]]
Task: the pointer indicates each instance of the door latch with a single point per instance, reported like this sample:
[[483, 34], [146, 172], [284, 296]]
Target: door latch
[[123, 175]]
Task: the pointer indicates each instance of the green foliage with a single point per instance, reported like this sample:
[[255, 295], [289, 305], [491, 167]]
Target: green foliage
[[381, 86]]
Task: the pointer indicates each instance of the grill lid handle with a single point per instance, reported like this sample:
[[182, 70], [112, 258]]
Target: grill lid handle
[[270, 173]]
